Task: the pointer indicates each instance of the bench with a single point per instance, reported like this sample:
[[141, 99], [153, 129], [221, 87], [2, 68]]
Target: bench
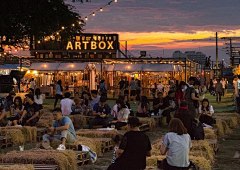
[[214, 144], [107, 144], [5, 142], [82, 157]]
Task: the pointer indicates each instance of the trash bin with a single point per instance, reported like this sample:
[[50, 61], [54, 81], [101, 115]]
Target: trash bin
[[238, 104]]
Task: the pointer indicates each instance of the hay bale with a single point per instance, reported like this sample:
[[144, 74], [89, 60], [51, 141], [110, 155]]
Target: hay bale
[[20, 167], [93, 133], [16, 135], [47, 113], [209, 134], [124, 128], [66, 160], [201, 162], [219, 125], [156, 145], [152, 161], [236, 115], [148, 120], [231, 121], [164, 121], [79, 121], [226, 128], [44, 123], [203, 145]]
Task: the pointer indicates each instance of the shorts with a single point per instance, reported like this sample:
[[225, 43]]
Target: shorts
[[133, 93]]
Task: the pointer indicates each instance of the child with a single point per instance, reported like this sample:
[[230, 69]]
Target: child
[[117, 140], [206, 112]]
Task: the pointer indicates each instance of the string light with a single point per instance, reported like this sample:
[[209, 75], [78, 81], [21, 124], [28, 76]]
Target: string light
[[101, 9], [86, 18], [57, 33], [115, 0], [79, 22], [39, 42], [93, 14], [73, 25], [63, 27]]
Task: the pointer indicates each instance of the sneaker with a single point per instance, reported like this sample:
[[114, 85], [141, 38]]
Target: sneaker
[[61, 147], [45, 145]]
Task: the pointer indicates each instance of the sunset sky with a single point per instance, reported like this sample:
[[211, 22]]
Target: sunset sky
[[165, 25]]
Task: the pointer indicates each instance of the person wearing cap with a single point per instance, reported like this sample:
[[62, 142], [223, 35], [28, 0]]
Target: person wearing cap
[[31, 111], [64, 127], [134, 148], [183, 114], [102, 112], [9, 102]]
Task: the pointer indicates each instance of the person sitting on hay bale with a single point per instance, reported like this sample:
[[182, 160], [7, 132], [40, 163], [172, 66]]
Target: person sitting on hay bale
[[134, 148], [31, 111], [102, 112], [121, 115], [66, 104], [176, 143], [16, 111], [66, 132], [206, 112]]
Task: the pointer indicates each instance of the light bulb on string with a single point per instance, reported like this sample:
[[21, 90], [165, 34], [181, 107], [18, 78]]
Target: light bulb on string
[[115, 0], [79, 22], [73, 25], [63, 27], [93, 14], [86, 18], [57, 33], [39, 42], [101, 9]]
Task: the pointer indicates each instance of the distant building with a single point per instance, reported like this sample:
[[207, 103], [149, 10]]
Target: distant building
[[198, 57]]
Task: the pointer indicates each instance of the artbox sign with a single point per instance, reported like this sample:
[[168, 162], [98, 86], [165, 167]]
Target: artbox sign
[[93, 42]]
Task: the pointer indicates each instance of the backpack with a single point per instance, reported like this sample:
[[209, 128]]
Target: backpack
[[92, 155], [197, 130], [103, 89]]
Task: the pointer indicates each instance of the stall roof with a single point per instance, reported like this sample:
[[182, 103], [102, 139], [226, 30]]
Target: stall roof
[[72, 66], [11, 66], [109, 67], [127, 67], [106, 67], [157, 67], [44, 66]]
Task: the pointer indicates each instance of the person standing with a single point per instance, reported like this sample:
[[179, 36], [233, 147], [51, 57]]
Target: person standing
[[223, 86], [126, 89], [38, 98], [59, 90], [138, 89], [121, 87], [66, 104], [133, 90], [226, 86], [218, 90], [103, 88], [32, 85], [180, 93]]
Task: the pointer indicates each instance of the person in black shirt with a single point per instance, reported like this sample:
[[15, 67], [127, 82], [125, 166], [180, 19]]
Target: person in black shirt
[[158, 103], [121, 87], [168, 105], [31, 111], [133, 150]]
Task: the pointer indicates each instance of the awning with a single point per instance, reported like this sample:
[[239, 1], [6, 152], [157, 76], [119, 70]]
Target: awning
[[127, 67], [44, 66], [72, 66], [109, 67], [157, 67], [105, 67]]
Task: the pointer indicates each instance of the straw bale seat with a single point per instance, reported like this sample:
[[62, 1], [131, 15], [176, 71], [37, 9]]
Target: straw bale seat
[[19, 166], [106, 144], [150, 121], [16, 135], [214, 144], [64, 159], [79, 121], [93, 133], [209, 134]]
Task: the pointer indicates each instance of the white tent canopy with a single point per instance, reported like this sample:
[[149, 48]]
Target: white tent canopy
[[72, 66], [127, 67], [44, 66]]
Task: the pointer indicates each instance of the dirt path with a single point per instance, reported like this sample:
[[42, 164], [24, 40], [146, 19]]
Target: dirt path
[[228, 146]]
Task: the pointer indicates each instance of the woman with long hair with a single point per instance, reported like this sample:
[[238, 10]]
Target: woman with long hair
[[143, 107], [206, 111], [180, 93], [38, 98], [16, 111], [176, 143], [59, 92], [121, 115]]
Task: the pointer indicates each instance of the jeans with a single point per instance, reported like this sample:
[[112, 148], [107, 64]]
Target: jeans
[[57, 96], [32, 122], [103, 122], [218, 94], [58, 138]]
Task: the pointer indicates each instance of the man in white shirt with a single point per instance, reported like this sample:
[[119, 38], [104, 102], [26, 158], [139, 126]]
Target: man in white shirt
[[66, 104], [32, 85], [223, 85]]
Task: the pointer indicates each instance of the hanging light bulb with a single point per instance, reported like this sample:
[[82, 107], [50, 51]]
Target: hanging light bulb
[[115, 0], [101, 9], [73, 25], [63, 27], [57, 33], [79, 22], [39, 42], [86, 18], [93, 14]]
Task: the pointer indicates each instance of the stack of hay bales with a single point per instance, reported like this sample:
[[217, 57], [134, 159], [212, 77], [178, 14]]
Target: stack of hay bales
[[148, 120], [46, 120], [66, 160], [20, 167], [97, 133], [29, 133], [79, 121], [209, 134], [16, 135]]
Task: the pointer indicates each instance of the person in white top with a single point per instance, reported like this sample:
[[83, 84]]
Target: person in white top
[[32, 85], [59, 90], [66, 104], [206, 111], [223, 85], [121, 115], [38, 98]]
